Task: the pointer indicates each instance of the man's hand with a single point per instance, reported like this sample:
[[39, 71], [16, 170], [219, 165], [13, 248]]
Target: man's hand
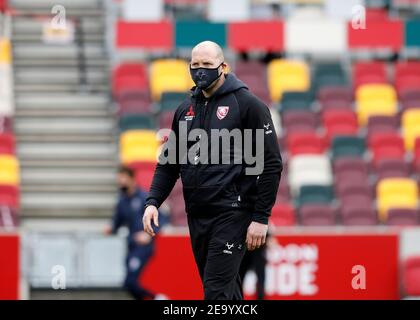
[[142, 238], [107, 230], [256, 235], [151, 213]]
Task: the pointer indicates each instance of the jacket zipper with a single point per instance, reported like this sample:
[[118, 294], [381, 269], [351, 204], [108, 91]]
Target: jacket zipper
[[202, 123]]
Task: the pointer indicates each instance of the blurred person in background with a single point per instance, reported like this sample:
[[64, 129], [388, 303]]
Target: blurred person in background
[[128, 212]]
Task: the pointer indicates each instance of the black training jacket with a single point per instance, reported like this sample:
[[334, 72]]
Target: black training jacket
[[212, 188]]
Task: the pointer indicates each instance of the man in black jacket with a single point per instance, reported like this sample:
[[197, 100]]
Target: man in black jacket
[[228, 202]]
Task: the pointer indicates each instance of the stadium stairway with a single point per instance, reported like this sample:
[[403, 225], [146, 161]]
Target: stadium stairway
[[64, 123]]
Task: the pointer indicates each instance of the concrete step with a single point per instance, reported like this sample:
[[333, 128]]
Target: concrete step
[[68, 163], [88, 212], [68, 188], [48, 4], [27, 26], [66, 150], [55, 176], [60, 88], [26, 126], [59, 76], [62, 100], [74, 200], [59, 62], [64, 138], [44, 51], [54, 113]]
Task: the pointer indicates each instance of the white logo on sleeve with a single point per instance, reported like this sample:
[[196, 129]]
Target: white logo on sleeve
[[267, 127]]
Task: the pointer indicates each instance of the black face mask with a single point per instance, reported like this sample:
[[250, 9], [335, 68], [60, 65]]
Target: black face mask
[[124, 189], [205, 77]]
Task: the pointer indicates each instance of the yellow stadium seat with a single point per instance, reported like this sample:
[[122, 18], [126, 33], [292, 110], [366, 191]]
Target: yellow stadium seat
[[410, 127], [139, 145], [375, 99], [396, 193], [5, 51], [169, 75], [287, 75], [9, 170]]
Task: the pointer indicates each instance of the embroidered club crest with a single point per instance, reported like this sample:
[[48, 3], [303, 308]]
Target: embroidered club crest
[[222, 112]]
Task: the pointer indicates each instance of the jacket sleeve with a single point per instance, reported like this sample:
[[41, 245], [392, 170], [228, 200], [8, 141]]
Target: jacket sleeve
[[166, 174], [256, 115]]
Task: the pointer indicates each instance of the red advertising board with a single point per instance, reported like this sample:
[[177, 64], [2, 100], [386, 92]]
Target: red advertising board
[[315, 266], [9, 267]]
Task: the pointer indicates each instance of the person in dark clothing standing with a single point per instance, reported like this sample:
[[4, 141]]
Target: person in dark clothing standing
[[228, 202], [140, 243]]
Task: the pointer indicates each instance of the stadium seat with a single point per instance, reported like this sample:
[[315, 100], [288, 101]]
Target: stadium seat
[[138, 146], [416, 156], [134, 102], [351, 199], [309, 170], [386, 146], [315, 194], [171, 100], [246, 35], [299, 121], [346, 187], [317, 215], [382, 124], [282, 215], [411, 276], [169, 75], [5, 124], [144, 175], [410, 123], [375, 99], [9, 170], [287, 75], [130, 77], [339, 122], [305, 143], [137, 121], [295, 100], [335, 97], [407, 76], [9, 196], [410, 99], [402, 217], [7, 143], [392, 168], [283, 192], [372, 72], [8, 218], [165, 119], [327, 75], [396, 193], [347, 146], [358, 216], [350, 169]]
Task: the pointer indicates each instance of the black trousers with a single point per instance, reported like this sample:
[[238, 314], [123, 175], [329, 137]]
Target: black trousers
[[218, 244], [255, 260]]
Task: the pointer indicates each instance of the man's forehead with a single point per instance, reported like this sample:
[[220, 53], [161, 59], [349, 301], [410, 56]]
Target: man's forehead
[[204, 54]]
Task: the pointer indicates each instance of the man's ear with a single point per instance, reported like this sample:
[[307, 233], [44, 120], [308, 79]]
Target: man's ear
[[225, 67]]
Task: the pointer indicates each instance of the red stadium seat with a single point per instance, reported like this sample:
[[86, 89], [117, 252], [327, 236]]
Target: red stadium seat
[[358, 216], [379, 34], [340, 122], [305, 143], [282, 214], [411, 276], [317, 215], [410, 98], [142, 35], [9, 196], [416, 156], [407, 76], [382, 124], [8, 218], [5, 124], [144, 172], [7, 143], [299, 121], [402, 217], [392, 168], [386, 146], [350, 169], [130, 77], [369, 72], [335, 97], [253, 35]]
